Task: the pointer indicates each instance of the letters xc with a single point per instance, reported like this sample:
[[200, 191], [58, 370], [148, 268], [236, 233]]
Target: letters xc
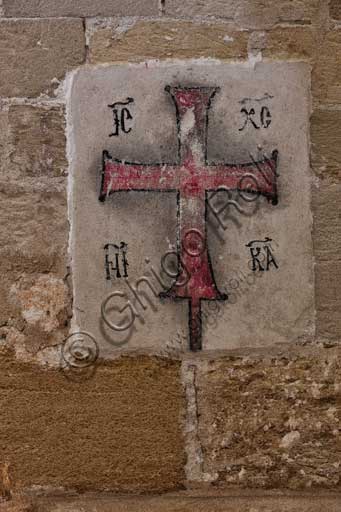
[[192, 178]]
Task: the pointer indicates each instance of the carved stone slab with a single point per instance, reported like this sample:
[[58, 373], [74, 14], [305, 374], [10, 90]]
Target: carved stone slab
[[190, 205]]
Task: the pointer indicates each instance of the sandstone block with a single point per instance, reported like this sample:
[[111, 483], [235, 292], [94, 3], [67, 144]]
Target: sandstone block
[[161, 40], [327, 214], [335, 9], [260, 14], [34, 233], [81, 8], [33, 264], [256, 14], [290, 43], [326, 143], [216, 8], [232, 502], [328, 300], [271, 422], [327, 70], [34, 230], [32, 142], [119, 430], [36, 54], [327, 247]]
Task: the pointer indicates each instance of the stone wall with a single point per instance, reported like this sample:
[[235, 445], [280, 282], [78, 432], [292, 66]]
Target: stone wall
[[257, 421]]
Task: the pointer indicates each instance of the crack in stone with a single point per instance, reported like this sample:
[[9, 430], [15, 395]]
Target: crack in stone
[[194, 462]]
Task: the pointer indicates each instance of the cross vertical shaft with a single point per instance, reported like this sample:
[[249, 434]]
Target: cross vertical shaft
[[195, 280]]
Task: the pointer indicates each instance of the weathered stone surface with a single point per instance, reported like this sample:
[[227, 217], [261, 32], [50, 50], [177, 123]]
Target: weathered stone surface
[[326, 77], [215, 8], [327, 250], [290, 43], [233, 502], [255, 14], [33, 238], [82, 8], [34, 230], [335, 9], [326, 143], [38, 317], [119, 430], [257, 312], [18, 504], [32, 141], [271, 422], [328, 300], [42, 302], [327, 225], [34, 225], [260, 14], [36, 54], [160, 40]]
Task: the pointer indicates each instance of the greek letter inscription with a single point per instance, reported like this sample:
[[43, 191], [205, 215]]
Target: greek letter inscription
[[257, 118], [262, 256], [257, 115], [122, 116], [265, 117], [116, 263]]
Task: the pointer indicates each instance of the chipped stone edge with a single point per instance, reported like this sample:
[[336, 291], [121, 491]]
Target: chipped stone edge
[[312, 330], [249, 63], [312, 220], [70, 153]]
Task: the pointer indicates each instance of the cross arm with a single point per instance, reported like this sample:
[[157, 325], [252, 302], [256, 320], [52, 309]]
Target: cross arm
[[118, 175], [254, 177]]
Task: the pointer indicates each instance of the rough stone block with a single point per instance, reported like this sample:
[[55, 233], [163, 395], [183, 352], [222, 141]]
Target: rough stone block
[[36, 54], [216, 8], [34, 233], [328, 300], [326, 143], [231, 502], [290, 43], [271, 421], [327, 227], [260, 14], [257, 14], [326, 77], [81, 8], [119, 430], [335, 9], [160, 40], [35, 302], [35, 225], [327, 250], [32, 142]]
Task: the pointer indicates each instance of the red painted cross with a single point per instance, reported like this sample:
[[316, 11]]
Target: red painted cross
[[192, 178]]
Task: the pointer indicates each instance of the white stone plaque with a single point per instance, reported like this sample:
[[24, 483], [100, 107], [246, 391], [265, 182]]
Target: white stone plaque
[[190, 210]]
